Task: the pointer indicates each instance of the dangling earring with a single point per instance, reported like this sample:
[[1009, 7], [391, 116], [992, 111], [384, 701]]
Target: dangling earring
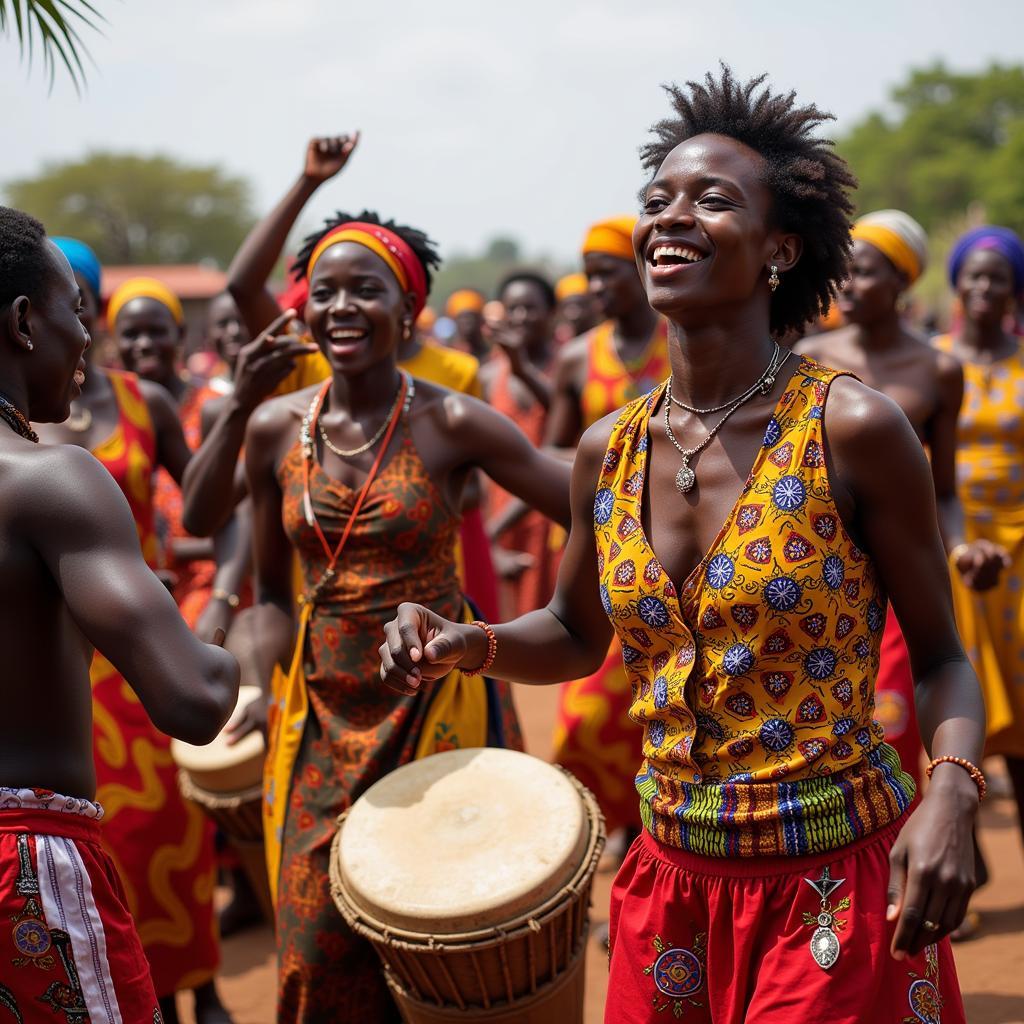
[[407, 330], [773, 281]]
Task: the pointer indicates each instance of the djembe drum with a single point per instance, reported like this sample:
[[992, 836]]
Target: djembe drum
[[470, 873], [226, 781]]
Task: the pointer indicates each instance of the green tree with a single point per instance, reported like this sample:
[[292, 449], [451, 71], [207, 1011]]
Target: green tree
[[952, 141], [52, 26], [134, 209]]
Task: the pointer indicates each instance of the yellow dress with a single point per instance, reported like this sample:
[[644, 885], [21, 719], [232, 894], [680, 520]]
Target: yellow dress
[[990, 481]]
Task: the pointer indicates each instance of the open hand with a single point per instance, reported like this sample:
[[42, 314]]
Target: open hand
[[327, 155], [266, 360], [981, 563], [419, 645]]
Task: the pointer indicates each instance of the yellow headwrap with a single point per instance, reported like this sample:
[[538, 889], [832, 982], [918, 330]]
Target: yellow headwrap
[[613, 236], [144, 288], [898, 237], [570, 285], [465, 300]]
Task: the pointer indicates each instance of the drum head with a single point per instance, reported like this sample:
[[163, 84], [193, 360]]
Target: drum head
[[222, 767], [463, 840]]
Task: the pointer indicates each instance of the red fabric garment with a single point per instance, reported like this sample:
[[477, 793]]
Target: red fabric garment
[[69, 948], [894, 699], [478, 575], [710, 940]]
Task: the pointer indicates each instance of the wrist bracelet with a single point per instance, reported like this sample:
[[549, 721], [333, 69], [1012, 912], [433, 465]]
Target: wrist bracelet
[[232, 600], [492, 650], [972, 770]]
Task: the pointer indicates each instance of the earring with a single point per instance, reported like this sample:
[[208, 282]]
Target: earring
[[406, 331], [773, 281], [28, 345]]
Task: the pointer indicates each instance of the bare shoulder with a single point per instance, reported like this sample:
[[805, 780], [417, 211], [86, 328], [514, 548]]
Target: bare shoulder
[[862, 423], [449, 411], [575, 352], [594, 442], [275, 424], [819, 346], [57, 478]]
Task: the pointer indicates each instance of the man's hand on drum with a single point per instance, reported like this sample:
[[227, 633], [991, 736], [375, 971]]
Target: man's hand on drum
[[251, 718], [421, 646]]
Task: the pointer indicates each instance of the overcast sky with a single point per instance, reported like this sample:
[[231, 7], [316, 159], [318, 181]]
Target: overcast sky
[[479, 117]]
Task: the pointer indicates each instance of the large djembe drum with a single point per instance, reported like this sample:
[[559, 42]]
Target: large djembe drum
[[470, 873], [226, 781]]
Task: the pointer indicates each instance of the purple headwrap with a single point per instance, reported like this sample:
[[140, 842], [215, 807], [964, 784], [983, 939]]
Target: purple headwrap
[[1001, 240]]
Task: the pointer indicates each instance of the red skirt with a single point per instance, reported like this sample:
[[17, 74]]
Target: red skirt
[[69, 948], [707, 940], [894, 699]]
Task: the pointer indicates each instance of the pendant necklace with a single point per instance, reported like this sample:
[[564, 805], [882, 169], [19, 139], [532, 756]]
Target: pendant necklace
[[686, 478]]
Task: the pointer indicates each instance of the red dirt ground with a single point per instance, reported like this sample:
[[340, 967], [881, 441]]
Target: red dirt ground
[[991, 967]]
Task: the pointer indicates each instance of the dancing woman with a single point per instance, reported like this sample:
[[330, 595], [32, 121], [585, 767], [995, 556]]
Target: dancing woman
[[741, 526], [361, 477]]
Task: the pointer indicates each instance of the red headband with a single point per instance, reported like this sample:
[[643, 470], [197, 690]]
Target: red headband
[[392, 249]]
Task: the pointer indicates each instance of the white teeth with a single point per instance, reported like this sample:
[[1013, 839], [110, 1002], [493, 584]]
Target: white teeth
[[345, 335], [689, 255]]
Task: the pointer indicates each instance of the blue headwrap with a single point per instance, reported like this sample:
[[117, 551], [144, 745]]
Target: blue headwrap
[[82, 259], [1001, 240]]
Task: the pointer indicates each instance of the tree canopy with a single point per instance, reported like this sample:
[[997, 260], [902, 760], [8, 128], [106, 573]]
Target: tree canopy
[[135, 209], [952, 142]]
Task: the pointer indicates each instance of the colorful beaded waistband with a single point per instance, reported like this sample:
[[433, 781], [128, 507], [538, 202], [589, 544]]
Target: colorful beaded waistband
[[770, 819]]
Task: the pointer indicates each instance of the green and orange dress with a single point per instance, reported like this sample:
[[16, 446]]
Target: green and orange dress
[[161, 844], [768, 795], [352, 730], [594, 737]]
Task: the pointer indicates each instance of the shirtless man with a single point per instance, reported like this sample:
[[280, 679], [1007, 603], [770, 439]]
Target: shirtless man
[[74, 579]]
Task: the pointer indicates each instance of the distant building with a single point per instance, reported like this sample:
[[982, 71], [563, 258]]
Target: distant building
[[193, 283]]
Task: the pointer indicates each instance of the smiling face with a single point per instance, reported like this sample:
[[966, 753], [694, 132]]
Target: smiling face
[[357, 311], [874, 285], [149, 339], [613, 283], [528, 315], [706, 238], [985, 287], [57, 367], [226, 332]]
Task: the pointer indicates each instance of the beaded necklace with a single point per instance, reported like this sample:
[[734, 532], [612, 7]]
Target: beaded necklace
[[16, 420]]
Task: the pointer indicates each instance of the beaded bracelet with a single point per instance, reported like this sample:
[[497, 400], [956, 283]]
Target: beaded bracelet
[[972, 770], [492, 650]]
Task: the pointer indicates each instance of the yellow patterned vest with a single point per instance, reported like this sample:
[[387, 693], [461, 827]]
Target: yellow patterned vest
[[754, 684]]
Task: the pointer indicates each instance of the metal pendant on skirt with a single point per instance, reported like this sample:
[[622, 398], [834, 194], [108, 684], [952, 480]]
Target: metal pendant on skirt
[[685, 478], [824, 943]]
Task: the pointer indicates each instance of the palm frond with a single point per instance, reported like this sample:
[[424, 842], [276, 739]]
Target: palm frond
[[52, 26]]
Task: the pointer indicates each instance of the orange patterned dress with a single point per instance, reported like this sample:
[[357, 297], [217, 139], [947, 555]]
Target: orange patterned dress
[[355, 730], [162, 845], [753, 680], [195, 578], [594, 737]]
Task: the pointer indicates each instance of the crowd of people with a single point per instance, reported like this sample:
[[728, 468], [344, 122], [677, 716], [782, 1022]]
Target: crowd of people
[[773, 556]]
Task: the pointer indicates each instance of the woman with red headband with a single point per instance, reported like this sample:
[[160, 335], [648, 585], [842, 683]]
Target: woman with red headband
[[361, 478]]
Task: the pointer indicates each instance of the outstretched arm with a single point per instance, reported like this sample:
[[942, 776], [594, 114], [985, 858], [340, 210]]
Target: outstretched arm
[[83, 530], [258, 255], [566, 640], [882, 471]]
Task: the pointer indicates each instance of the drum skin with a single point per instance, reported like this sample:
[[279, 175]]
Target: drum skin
[[453, 947]]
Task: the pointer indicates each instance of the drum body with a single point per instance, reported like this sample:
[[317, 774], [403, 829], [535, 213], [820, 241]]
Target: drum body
[[485, 915], [226, 781]]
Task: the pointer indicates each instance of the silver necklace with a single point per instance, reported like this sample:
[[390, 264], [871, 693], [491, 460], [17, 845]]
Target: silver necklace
[[765, 382], [686, 478], [342, 453]]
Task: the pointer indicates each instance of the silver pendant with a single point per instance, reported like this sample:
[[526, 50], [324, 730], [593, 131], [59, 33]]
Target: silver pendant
[[824, 943], [824, 948], [685, 478]]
